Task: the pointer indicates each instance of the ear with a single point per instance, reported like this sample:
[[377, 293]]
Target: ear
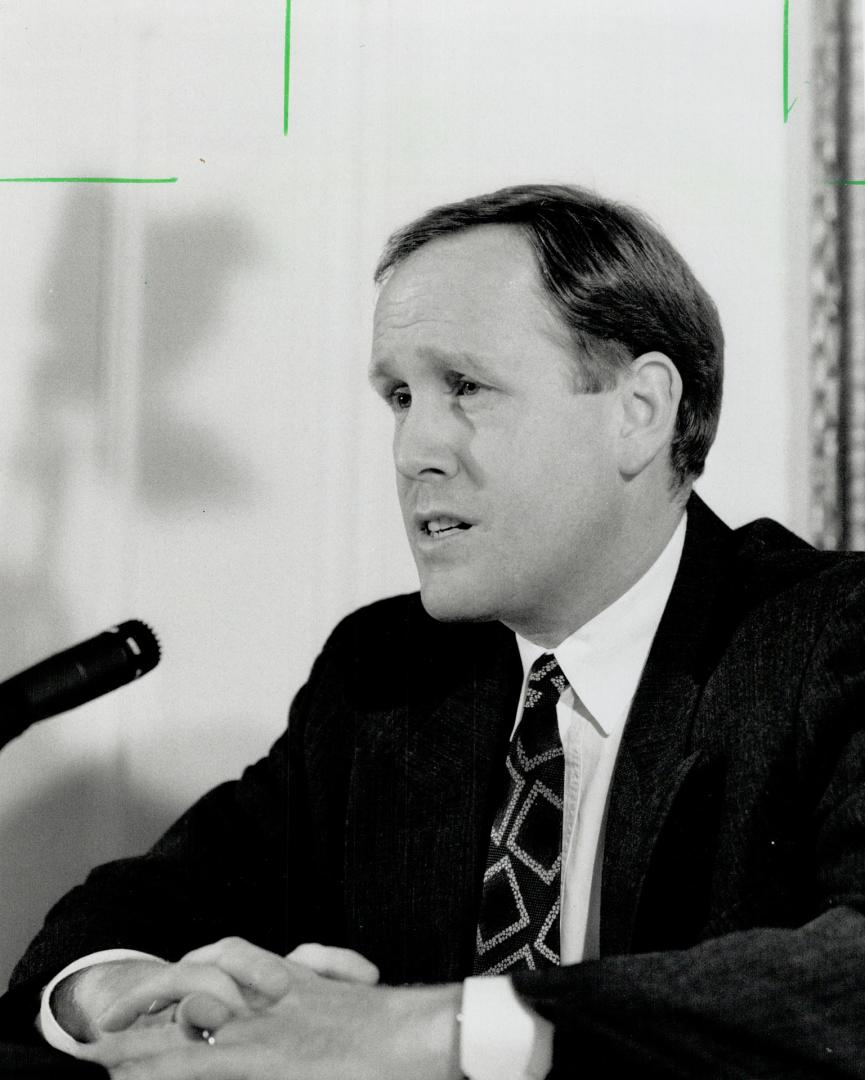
[[650, 396]]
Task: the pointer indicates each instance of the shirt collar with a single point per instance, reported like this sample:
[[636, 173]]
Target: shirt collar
[[604, 659]]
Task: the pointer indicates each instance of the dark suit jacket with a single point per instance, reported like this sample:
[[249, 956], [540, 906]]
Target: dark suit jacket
[[733, 939]]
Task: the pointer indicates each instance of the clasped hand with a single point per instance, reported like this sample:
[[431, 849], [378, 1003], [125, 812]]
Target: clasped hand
[[233, 1011]]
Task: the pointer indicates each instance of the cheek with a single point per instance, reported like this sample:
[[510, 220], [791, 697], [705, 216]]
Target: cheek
[[402, 488], [528, 517], [543, 472], [560, 500]]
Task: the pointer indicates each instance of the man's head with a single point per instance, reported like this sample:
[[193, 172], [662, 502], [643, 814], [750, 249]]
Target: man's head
[[532, 451], [617, 283]]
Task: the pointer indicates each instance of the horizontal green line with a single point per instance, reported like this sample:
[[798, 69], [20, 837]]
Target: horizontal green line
[[86, 180], [858, 182]]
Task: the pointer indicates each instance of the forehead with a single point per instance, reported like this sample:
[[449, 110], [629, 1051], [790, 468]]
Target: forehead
[[475, 287]]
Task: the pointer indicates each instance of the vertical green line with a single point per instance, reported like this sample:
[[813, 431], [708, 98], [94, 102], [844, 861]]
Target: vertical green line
[[788, 105], [286, 67]]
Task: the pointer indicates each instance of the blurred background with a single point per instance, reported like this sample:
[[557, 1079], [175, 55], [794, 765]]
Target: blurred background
[[186, 432]]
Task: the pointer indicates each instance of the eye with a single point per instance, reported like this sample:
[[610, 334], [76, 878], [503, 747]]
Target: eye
[[399, 398], [466, 388]]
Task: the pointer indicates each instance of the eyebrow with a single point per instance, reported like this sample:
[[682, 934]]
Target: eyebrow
[[446, 359], [378, 370]]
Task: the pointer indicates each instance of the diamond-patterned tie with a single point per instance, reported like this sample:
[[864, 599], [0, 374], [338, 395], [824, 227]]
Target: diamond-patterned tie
[[518, 925]]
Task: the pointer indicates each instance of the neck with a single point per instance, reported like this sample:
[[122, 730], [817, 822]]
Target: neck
[[635, 548]]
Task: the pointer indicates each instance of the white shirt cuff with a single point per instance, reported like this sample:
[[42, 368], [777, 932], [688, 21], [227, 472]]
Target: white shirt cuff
[[501, 1037], [52, 1032]]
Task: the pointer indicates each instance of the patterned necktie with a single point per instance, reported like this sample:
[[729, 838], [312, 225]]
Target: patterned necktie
[[519, 917]]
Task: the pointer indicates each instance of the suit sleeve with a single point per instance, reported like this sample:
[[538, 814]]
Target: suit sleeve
[[768, 1001], [760, 1003], [240, 862]]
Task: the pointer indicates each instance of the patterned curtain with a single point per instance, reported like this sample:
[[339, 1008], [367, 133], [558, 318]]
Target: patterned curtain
[[838, 278]]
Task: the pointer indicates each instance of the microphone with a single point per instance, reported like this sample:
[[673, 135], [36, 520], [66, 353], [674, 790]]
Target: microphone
[[76, 675]]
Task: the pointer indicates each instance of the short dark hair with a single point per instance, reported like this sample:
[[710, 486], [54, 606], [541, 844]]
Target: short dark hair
[[620, 285]]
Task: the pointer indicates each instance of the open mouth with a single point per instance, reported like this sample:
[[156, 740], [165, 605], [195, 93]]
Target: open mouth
[[439, 528]]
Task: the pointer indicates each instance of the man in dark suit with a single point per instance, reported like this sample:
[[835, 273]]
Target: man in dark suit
[[459, 792]]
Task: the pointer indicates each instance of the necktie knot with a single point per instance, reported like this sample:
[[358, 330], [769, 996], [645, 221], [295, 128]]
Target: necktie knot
[[546, 682]]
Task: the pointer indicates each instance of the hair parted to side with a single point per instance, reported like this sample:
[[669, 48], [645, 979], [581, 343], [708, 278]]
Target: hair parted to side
[[618, 283]]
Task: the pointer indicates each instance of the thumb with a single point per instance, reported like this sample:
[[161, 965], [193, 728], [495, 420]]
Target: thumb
[[344, 965]]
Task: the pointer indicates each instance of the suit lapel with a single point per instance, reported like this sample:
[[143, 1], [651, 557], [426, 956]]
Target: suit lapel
[[655, 757]]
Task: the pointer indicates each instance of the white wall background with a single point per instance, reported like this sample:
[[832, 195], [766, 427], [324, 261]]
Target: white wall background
[[186, 435]]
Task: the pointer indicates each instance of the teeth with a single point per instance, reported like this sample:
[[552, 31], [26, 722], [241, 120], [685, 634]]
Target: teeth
[[438, 525]]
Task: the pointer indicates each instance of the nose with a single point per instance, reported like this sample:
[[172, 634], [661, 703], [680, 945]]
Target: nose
[[425, 443]]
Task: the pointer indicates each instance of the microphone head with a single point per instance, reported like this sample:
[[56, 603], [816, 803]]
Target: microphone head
[[140, 642]]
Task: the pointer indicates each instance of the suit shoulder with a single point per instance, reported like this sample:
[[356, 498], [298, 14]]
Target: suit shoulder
[[773, 543], [389, 651], [381, 621], [776, 571], [400, 628]]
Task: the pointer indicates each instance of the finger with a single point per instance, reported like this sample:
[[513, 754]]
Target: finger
[[171, 984], [335, 963], [136, 1042], [252, 967], [201, 1012], [158, 1007], [157, 1017]]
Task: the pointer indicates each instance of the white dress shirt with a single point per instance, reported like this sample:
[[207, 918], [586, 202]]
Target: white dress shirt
[[501, 1037]]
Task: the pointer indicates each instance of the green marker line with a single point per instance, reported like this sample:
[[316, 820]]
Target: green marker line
[[788, 105], [286, 67], [859, 183], [86, 180]]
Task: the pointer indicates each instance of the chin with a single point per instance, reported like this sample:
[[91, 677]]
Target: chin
[[450, 606]]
